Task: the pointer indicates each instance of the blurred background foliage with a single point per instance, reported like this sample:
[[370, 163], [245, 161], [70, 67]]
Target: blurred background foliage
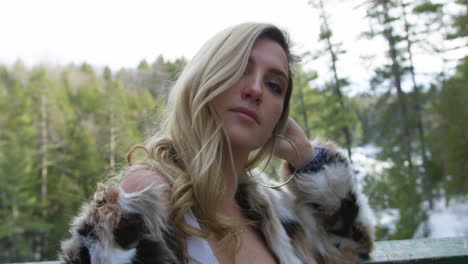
[[63, 128]]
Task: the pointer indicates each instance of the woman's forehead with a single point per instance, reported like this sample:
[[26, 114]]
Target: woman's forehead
[[270, 54]]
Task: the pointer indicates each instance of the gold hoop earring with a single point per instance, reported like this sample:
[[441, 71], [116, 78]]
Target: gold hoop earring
[[292, 175]]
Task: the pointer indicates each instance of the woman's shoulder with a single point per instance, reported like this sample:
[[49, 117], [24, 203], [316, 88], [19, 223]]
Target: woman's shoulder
[[138, 178], [124, 221]]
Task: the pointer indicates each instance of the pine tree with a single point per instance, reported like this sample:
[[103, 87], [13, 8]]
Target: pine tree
[[336, 86]]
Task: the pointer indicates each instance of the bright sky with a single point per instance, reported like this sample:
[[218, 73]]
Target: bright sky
[[120, 33]]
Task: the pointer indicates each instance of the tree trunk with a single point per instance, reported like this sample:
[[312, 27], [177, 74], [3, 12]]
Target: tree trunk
[[337, 90], [304, 109], [44, 157], [112, 140], [396, 73], [417, 108]]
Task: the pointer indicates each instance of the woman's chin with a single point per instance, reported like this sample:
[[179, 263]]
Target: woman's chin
[[246, 143]]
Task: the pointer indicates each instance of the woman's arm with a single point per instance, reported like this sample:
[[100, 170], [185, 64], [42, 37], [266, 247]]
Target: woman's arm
[[335, 214]]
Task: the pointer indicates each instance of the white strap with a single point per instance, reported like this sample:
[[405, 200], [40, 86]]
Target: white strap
[[197, 247]]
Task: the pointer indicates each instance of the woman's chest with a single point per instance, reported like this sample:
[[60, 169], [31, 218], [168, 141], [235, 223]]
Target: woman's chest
[[252, 250]]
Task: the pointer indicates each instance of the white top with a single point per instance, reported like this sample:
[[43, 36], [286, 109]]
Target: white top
[[197, 247]]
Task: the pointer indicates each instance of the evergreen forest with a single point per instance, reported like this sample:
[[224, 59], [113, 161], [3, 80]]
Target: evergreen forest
[[64, 128]]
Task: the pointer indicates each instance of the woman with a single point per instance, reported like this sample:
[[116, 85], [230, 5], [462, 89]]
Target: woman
[[191, 200]]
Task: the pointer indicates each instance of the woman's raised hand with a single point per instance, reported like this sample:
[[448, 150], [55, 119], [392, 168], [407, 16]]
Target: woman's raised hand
[[284, 149]]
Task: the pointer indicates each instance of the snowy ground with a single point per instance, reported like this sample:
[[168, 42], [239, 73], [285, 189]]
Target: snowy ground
[[443, 221], [451, 221]]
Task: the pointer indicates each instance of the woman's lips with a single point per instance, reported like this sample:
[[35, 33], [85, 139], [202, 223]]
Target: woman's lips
[[246, 114]]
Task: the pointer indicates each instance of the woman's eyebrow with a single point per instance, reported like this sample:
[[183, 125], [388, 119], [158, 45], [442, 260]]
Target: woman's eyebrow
[[275, 71], [279, 73]]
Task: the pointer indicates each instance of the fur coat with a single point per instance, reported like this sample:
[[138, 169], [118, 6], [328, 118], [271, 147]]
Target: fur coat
[[320, 217]]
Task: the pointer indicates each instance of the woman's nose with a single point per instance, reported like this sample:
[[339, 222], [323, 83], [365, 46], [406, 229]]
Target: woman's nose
[[253, 90]]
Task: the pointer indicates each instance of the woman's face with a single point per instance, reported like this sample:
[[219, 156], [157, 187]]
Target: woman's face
[[252, 107]]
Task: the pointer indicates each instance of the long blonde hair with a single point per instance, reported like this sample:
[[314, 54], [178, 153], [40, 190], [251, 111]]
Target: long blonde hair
[[188, 148]]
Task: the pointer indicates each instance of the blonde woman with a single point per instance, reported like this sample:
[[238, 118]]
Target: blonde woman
[[192, 199]]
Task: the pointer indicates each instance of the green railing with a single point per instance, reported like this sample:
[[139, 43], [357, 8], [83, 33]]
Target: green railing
[[420, 251]]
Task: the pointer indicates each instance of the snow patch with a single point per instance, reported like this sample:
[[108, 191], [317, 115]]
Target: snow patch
[[388, 219], [365, 162], [445, 221]]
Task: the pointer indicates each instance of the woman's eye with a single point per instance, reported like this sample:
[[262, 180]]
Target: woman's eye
[[276, 88]]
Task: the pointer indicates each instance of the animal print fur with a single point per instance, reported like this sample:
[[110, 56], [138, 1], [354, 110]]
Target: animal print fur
[[320, 217]]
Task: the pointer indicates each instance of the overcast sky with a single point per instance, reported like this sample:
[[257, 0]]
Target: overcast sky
[[120, 33]]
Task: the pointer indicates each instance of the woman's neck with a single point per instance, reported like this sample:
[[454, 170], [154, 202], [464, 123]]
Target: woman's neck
[[233, 171]]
